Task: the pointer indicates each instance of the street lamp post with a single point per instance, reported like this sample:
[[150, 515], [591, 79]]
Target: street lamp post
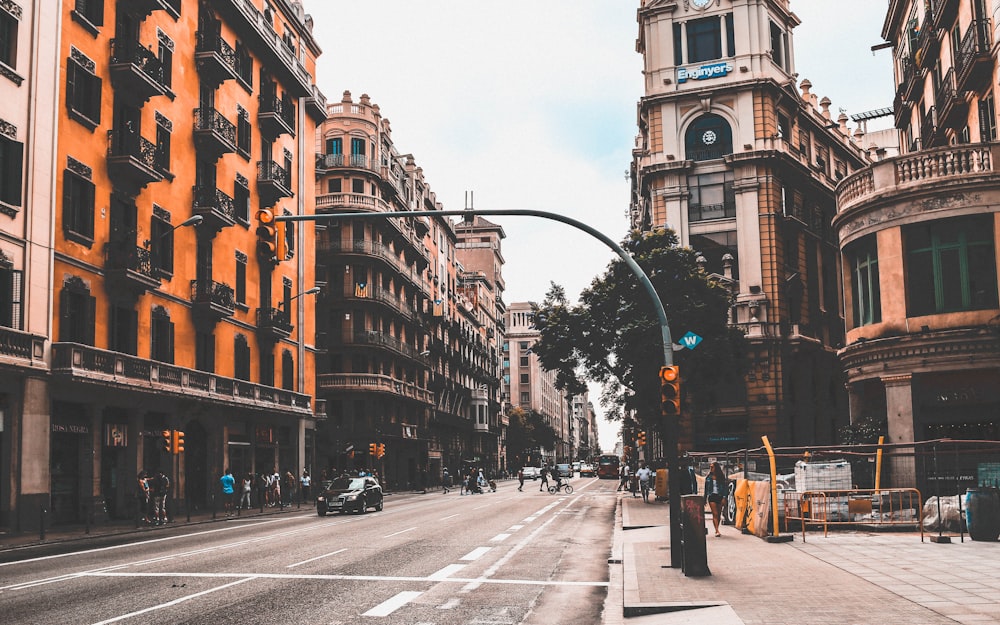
[[671, 426], [311, 291]]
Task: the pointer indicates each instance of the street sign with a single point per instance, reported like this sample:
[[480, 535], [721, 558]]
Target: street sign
[[690, 340]]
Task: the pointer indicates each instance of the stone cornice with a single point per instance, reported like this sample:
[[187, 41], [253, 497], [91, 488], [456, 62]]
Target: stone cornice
[[921, 353]]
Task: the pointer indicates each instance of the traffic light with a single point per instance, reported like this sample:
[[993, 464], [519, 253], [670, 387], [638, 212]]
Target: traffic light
[[267, 235], [372, 449], [641, 439], [178, 442], [381, 450], [670, 391], [168, 441]]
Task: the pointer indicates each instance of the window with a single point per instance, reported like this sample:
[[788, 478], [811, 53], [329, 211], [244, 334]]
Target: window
[[715, 247], [123, 329], [165, 53], [161, 336], [525, 398], [950, 266], [779, 47], [8, 38], [78, 203], [704, 38], [241, 199], [784, 130], [83, 90], [358, 152], [987, 119], [287, 371], [266, 368], [333, 185], [244, 65], [90, 10], [162, 158], [708, 137], [204, 351], [161, 242], [712, 196], [11, 170], [241, 360], [524, 378], [76, 313], [241, 279], [11, 290], [244, 132], [335, 146], [523, 361], [678, 46], [357, 185]]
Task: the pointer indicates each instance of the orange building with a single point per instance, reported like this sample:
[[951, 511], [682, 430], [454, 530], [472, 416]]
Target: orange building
[[178, 121]]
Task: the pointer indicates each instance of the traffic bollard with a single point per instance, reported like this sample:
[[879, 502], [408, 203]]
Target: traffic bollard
[[694, 551]]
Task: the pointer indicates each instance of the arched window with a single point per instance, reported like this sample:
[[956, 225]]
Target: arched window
[[707, 138], [287, 371]]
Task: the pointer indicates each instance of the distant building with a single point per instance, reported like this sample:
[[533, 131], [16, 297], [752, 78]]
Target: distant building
[[743, 166], [918, 233]]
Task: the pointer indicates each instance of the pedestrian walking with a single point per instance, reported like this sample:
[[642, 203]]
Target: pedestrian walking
[[716, 489], [288, 489], [626, 471], [306, 482], [644, 474], [158, 488], [228, 483], [245, 490], [142, 496], [446, 481], [545, 478], [520, 479]]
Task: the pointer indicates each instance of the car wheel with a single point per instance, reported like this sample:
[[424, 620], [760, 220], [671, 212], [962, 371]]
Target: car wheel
[[321, 509], [362, 506], [378, 506]]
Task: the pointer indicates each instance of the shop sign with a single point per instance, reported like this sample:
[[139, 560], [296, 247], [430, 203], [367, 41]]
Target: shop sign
[[115, 435], [704, 72], [265, 434], [70, 429]]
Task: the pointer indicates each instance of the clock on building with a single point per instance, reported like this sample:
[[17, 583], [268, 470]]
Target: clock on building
[[701, 4], [709, 137]]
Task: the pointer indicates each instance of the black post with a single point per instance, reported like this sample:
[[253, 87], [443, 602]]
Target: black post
[[41, 522], [87, 511], [937, 491]]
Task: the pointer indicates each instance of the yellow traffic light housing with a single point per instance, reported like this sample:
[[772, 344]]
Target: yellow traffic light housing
[[168, 441], [178, 442], [267, 235], [381, 450], [641, 439], [372, 449], [670, 391]]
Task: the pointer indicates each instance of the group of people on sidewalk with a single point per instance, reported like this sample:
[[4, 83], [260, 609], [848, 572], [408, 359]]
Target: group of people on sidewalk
[[716, 488], [637, 484], [273, 490], [473, 482], [151, 495]]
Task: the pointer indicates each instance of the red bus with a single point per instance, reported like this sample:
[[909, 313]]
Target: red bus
[[607, 467]]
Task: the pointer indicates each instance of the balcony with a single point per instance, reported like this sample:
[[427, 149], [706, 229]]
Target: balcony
[[214, 135], [377, 339], [130, 266], [20, 349], [132, 160], [136, 72], [909, 87], [929, 135], [951, 103], [945, 12], [146, 7], [276, 116], [974, 65], [216, 207], [316, 105], [82, 363], [273, 323], [216, 59], [371, 383], [273, 183], [928, 45], [212, 300], [902, 109]]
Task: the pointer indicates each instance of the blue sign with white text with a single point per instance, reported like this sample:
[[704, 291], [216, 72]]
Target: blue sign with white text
[[690, 340], [712, 70]]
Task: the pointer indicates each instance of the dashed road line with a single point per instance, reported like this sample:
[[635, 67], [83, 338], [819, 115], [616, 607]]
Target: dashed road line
[[172, 603], [499, 538], [447, 571], [325, 555], [409, 529], [392, 604], [475, 554]]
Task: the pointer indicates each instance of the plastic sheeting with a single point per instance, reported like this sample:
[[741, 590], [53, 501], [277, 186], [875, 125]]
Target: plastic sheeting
[[949, 520]]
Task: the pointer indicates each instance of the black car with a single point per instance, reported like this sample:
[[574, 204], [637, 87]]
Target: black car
[[356, 494]]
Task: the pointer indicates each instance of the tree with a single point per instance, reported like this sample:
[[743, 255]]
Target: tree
[[526, 431], [613, 335]]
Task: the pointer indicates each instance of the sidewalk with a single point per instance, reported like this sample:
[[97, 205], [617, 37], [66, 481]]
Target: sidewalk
[[849, 577]]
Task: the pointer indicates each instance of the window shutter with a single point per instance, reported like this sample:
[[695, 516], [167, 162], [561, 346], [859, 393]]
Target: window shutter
[[95, 100], [170, 342], [91, 320], [13, 171], [64, 314], [71, 69]]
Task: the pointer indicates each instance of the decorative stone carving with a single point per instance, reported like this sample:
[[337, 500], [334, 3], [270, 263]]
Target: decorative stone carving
[[79, 168], [163, 121], [82, 59]]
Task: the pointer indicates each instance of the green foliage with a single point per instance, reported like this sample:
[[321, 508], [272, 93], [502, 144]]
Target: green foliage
[[864, 431], [613, 335], [527, 430]]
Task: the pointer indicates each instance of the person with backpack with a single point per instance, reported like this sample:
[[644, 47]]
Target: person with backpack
[[158, 488]]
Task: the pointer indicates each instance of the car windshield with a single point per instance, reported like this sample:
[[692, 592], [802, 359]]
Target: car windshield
[[348, 483]]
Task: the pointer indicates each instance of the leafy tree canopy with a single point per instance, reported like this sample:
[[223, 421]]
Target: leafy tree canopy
[[527, 430], [613, 335]]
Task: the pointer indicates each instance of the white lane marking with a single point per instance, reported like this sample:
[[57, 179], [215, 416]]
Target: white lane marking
[[514, 528], [450, 516], [392, 604], [499, 538], [173, 603], [450, 604], [410, 529], [447, 571], [483, 506], [350, 578], [475, 554], [326, 555]]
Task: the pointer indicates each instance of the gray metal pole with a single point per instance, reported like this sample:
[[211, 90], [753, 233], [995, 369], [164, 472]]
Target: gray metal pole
[[672, 426]]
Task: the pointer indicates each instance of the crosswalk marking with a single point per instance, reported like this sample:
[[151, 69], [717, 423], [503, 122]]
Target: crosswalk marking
[[392, 604], [475, 554]]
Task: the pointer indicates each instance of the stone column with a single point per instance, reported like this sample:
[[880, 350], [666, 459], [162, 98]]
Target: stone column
[[899, 411]]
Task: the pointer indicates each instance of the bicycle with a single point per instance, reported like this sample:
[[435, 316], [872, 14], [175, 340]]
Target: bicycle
[[563, 486]]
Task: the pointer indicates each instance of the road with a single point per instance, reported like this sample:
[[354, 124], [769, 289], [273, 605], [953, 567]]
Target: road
[[507, 557]]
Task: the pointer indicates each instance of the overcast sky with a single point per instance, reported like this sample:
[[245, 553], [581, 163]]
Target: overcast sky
[[532, 104]]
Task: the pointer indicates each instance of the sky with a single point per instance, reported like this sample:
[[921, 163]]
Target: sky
[[532, 104]]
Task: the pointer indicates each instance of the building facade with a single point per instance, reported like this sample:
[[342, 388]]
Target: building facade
[[29, 66], [408, 336], [743, 166], [918, 233], [177, 121], [531, 387]]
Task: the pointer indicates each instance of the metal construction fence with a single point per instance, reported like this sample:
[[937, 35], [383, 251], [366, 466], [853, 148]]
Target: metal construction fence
[[835, 485]]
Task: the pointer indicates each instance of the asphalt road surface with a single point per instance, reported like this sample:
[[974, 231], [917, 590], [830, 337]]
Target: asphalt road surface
[[498, 558]]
